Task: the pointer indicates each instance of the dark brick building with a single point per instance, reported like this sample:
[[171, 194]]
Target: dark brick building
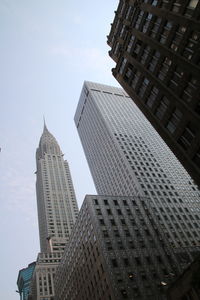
[[156, 47]]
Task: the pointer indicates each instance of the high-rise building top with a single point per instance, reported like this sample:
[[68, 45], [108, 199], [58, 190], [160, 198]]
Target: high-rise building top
[[24, 281], [126, 156], [57, 206], [155, 45]]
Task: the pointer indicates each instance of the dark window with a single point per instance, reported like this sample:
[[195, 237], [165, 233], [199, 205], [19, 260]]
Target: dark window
[[174, 120], [114, 263], [187, 136], [124, 293], [135, 79], [196, 158], [162, 108], [152, 96]]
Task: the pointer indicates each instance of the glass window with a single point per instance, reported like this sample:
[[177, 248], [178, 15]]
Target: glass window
[[174, 120], [187, 136], [192, 4], [122, 65], [162, 108]]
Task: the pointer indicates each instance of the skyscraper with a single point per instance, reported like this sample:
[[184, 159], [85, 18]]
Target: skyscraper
[[57, 212], [126, 156], [155, 45], [57, 206]]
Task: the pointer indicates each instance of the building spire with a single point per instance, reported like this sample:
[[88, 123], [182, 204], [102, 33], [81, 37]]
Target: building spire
[[45, 126]]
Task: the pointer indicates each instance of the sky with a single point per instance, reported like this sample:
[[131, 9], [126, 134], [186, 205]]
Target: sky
[[47, 49]]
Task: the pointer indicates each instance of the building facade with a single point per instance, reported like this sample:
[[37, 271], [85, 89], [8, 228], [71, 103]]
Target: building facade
[[126, 156], [155, 45], [24, 281], [57, 213], [116, 251]]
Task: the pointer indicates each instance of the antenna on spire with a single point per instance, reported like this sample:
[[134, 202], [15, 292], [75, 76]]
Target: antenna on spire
[[45, 126]]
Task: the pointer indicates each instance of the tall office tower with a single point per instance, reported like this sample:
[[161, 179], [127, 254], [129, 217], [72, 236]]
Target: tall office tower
[[155, 45], [24, 281], [116, 251], [126, 156], [57, 213]]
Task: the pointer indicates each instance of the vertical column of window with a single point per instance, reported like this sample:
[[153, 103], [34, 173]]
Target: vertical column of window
[[147, 24], [130, 43], [135, 79], [155, 28], [145, 54], [162, 108], [191, 90], [187, 137], [129, 72], [165, 32], [136, 48], [164, 69], [196, 158], [151, 99], [174, 120], [143, 87], [122, 66], [139, 19], [129, 13], [177, 6], [153, 63], [177, 80], [190, 8], [165, 4], [193, 44]]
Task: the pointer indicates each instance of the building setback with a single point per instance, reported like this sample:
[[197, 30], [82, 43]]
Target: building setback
[[155, 45], [116, 251], [57, 213]]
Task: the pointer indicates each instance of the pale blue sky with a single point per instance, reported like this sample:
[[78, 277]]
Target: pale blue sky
[[47, 49]]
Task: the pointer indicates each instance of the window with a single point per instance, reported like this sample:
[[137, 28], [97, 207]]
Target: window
[[191, 7], [128, 72], [143, 87], [135, 79], [164, 68], [174, 120], [152, 97], [124, 293], [130, 44], [176, 6], [137, 47], [122, 65], [114, 263], [162, 108], [139, 19], [154, 61], [190, 89], [192, 4], [165, 33], [147, 22], [155, 27], [145, 54], [187, 136]]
